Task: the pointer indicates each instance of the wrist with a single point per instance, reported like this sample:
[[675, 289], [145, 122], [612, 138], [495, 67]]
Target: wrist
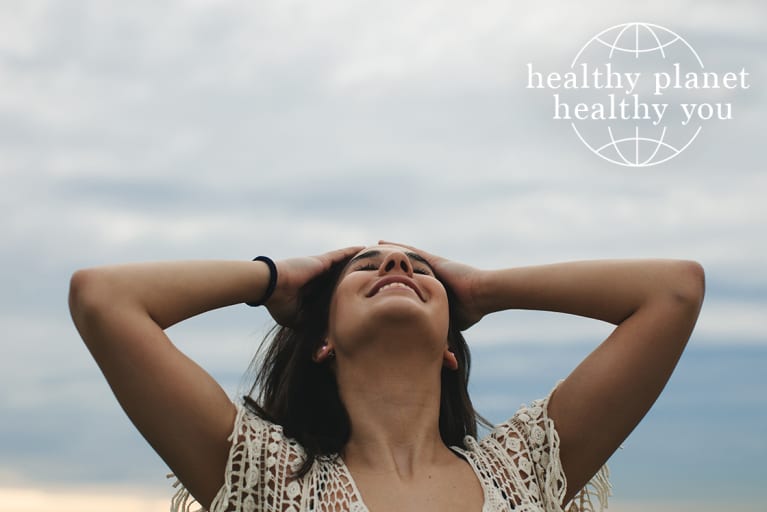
[[483, 295], [271, 284]]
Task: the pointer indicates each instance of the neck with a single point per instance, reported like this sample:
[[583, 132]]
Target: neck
[[393, 404]]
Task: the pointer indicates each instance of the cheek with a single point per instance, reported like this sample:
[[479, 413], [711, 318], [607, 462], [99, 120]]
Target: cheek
[[443, 308], [335, 311], [341, 306]]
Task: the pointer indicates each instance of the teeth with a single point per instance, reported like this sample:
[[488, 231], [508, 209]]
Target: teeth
[[395, 284]]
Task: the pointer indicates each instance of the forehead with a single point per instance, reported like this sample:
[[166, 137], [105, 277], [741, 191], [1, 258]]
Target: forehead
[[384, 249]]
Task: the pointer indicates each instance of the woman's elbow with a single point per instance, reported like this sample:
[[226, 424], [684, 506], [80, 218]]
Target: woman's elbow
[[86, 294], [691, 283]]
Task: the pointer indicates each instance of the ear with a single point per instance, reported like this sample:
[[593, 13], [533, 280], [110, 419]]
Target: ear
[[449, 360], [324, 352]]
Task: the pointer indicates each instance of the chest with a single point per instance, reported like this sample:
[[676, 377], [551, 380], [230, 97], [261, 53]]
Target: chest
[[455, 488]]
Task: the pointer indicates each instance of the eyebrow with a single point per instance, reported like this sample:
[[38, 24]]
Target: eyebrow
[[375, 252]]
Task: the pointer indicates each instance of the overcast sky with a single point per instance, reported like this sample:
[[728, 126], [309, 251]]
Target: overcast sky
[[164, 130]]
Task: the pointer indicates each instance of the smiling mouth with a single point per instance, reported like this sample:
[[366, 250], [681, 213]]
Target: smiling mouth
[[395, 284]]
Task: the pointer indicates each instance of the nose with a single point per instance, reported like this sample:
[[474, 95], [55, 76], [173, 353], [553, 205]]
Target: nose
[[396, 261]]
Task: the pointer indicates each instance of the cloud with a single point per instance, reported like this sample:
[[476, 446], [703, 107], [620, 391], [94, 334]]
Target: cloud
[[620, 505], [141, 131], [80, 500]]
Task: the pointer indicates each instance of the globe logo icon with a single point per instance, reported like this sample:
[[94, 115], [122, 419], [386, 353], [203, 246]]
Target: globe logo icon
[[622, 114]]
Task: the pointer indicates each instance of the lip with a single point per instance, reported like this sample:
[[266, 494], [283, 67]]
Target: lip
[[396, 279]]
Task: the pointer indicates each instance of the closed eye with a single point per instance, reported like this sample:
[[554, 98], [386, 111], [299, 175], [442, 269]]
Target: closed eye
[[372, 266]]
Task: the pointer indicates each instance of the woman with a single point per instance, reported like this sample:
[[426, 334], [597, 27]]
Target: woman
[[380, 433]]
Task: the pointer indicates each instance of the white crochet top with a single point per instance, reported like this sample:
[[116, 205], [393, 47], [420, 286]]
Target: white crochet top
[[517, 464]]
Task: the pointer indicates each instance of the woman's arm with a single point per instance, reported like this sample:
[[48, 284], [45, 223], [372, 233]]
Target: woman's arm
[[608, 290], [121, 311], [655, 304]]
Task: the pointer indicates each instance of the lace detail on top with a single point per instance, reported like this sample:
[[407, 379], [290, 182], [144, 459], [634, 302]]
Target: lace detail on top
[[518, 461], [517, 464]]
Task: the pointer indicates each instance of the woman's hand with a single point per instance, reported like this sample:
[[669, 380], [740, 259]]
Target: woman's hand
[[462, 279], [293, 274]]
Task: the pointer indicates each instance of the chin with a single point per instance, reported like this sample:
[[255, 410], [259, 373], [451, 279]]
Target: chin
[[400, 317], [404, 320], [392, 308]]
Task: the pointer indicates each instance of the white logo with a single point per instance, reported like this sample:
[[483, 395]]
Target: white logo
[[637, 94]]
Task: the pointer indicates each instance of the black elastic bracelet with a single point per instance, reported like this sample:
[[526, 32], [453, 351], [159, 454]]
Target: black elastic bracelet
[[272, 281]]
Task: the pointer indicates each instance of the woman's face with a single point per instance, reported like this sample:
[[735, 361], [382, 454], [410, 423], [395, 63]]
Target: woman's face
[[391, 290]]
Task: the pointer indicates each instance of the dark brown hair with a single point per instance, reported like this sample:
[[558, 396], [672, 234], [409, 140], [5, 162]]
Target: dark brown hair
[[294, 391]]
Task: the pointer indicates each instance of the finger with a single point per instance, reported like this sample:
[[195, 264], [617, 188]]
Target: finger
[[350, 251], [342, 254]]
